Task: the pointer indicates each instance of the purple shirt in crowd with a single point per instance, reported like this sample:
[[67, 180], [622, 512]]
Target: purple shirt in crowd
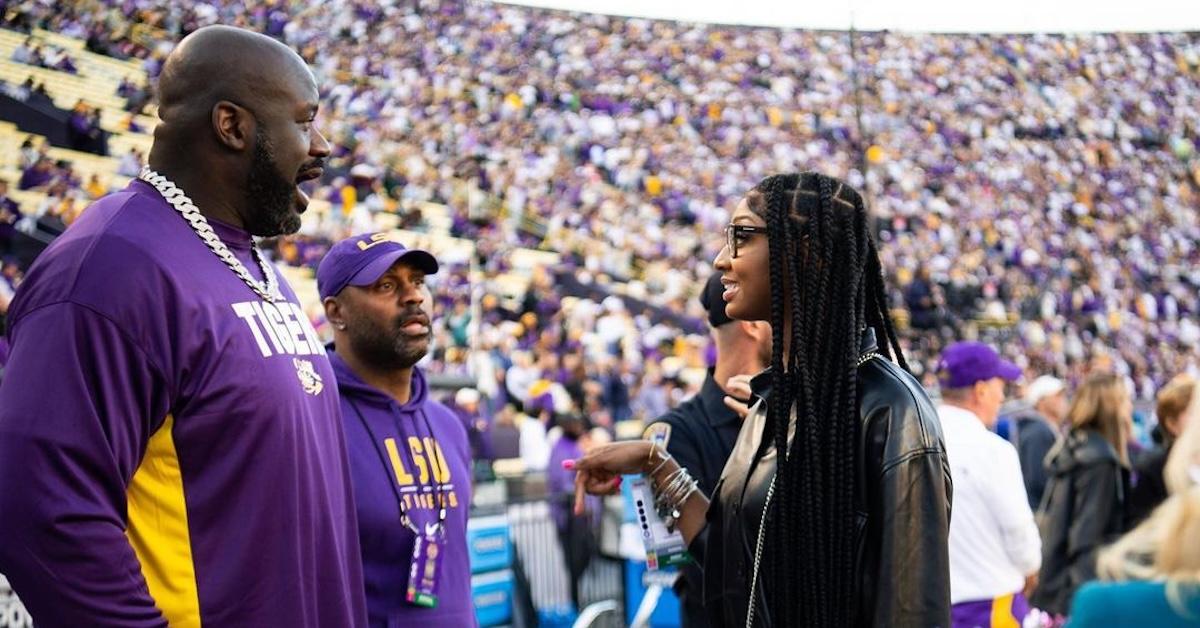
[[171, 448], [32, 177], [420, 452], [560, 483]]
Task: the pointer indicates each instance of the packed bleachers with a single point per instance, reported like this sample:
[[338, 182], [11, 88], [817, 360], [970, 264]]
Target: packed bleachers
[[573, 173], [1004, 170]]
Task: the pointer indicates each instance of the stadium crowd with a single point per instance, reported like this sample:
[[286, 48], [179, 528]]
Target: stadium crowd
[[1004, 171], [1038, 193]]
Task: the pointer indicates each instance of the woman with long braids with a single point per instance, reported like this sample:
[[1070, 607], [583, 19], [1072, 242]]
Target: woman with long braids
[[834, 507]]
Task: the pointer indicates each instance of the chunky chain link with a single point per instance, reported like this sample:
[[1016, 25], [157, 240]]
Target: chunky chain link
[[267, 290]]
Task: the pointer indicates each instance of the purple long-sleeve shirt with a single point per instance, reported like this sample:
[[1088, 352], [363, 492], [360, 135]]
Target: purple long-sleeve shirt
[[171, 447]]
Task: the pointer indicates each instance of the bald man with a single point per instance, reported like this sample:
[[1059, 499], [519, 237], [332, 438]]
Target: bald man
[[171, 450]]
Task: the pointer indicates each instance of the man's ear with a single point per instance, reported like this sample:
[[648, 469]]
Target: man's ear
[[980, 388], [333, 313], [233, 125], [755, 329]]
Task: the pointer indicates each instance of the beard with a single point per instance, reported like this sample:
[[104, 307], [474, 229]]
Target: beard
[[272, 195], [385, 347]]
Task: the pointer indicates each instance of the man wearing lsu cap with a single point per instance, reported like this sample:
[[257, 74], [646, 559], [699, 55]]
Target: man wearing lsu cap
[[1036, 431], [410, 459], [702, 431], [995, 550]]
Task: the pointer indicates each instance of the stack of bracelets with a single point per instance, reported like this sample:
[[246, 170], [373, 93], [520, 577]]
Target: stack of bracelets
[[672, 493]]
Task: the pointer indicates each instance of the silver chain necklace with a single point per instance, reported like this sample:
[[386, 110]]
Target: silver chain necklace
[[758, 549], [268, 290], [867, 357]]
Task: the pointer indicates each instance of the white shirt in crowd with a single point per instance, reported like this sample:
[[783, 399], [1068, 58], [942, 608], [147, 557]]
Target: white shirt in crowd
[[533, 443], [994, 541]]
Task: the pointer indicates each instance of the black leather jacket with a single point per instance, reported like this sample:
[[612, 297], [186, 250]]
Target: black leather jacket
[[1083, 510], [904, 510]]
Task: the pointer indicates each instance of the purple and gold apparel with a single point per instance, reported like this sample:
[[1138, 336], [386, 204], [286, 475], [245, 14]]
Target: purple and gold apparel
[[171, 448], [417, 452]]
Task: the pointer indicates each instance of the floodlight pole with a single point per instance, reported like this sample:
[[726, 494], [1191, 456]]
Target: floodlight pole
[[862, 144]]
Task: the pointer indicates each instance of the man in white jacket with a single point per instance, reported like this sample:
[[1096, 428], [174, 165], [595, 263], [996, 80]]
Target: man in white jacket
[[995, 550]]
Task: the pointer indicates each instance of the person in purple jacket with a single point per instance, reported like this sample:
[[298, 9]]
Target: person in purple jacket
[[171, 445], [410, 458]]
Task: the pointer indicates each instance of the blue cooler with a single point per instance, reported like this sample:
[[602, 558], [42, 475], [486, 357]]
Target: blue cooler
[[557, 617], [637, 581], [492, 594], [488, 544]]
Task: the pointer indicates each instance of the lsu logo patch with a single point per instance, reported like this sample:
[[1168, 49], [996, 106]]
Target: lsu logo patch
[[658, 433], [310, 381]]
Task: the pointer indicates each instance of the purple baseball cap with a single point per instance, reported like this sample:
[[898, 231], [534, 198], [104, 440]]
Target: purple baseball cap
[[361, 260], [964, 363]]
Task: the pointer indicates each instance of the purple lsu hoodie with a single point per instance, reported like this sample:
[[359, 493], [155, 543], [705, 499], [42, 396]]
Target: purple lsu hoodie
[[418, 450]]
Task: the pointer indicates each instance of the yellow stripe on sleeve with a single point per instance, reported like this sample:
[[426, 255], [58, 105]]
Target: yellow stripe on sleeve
[[158, 530]]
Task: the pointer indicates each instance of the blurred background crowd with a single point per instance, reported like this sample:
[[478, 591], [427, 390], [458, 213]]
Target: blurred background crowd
[[1005, 171], [573, 172]]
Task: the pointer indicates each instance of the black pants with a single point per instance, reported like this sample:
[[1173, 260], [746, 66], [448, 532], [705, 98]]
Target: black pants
[[579, 545]]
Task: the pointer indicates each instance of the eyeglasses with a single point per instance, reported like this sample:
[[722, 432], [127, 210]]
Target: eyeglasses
[[739, 233]]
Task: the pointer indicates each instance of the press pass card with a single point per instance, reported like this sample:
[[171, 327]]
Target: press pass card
[[425, 570], [663, 548]]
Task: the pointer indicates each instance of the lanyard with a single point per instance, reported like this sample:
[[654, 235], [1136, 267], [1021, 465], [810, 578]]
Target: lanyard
[[434, 459]]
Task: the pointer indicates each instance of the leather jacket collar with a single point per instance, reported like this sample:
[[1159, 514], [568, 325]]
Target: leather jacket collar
[[760, 385]]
